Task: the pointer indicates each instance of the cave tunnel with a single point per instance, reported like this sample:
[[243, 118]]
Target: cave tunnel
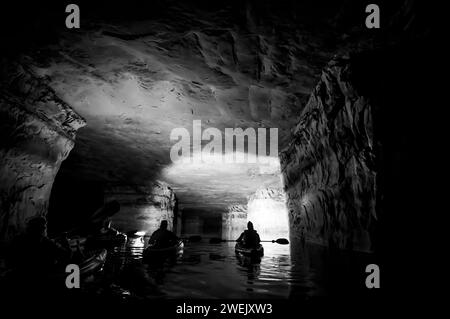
[[107, 113]]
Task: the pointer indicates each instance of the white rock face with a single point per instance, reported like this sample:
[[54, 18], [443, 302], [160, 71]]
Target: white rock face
[[38, 132], [234, 222], [329, 167], [142, 208]]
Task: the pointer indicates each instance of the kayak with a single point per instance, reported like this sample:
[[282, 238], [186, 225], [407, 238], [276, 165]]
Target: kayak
[[155, 252], [93, 263], [257, 251], [177, 247]]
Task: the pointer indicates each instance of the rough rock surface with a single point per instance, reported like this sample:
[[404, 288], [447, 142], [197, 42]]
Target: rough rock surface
[[142, 208], [136, 72], [37, 132], [267, 210], [329, 166], [234, 222]]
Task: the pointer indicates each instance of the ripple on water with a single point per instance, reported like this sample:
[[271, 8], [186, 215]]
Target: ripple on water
[[214, 271]]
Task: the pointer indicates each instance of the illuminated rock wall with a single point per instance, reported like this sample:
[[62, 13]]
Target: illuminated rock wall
[[329, 166], [234, 222], [37, 132], [142, 208]]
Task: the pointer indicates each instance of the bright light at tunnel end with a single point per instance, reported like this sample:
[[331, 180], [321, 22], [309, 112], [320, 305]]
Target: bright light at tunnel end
[[243, 156]]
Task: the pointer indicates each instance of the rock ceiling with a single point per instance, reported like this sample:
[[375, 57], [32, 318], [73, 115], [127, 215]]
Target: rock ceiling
[[134, 80]]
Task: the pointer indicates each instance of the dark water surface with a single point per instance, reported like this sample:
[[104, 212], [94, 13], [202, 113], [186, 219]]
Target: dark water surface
[[213, 271], [210, 271]]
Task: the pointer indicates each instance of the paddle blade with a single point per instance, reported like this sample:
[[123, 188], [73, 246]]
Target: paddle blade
[[282, 241], [215, 240]]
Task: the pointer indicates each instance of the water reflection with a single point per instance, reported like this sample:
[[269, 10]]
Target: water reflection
[[251, 266], [207, 271], [214, 271]]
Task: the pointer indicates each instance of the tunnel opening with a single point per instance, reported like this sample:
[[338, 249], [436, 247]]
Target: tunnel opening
[[235, 192], [205, 190]]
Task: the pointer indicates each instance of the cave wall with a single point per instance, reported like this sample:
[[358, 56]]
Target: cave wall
[[234, 221], [37, 132], [329, 166], [143, 207]]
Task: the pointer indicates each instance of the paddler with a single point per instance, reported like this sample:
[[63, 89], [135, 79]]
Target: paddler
[[162, 237], [249, 238]]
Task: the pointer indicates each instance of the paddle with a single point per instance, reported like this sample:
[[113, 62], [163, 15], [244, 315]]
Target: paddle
[[191, 239], [281, 241]]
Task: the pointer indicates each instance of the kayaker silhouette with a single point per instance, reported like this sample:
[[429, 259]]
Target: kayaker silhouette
[[249, 238], [163, 237]]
